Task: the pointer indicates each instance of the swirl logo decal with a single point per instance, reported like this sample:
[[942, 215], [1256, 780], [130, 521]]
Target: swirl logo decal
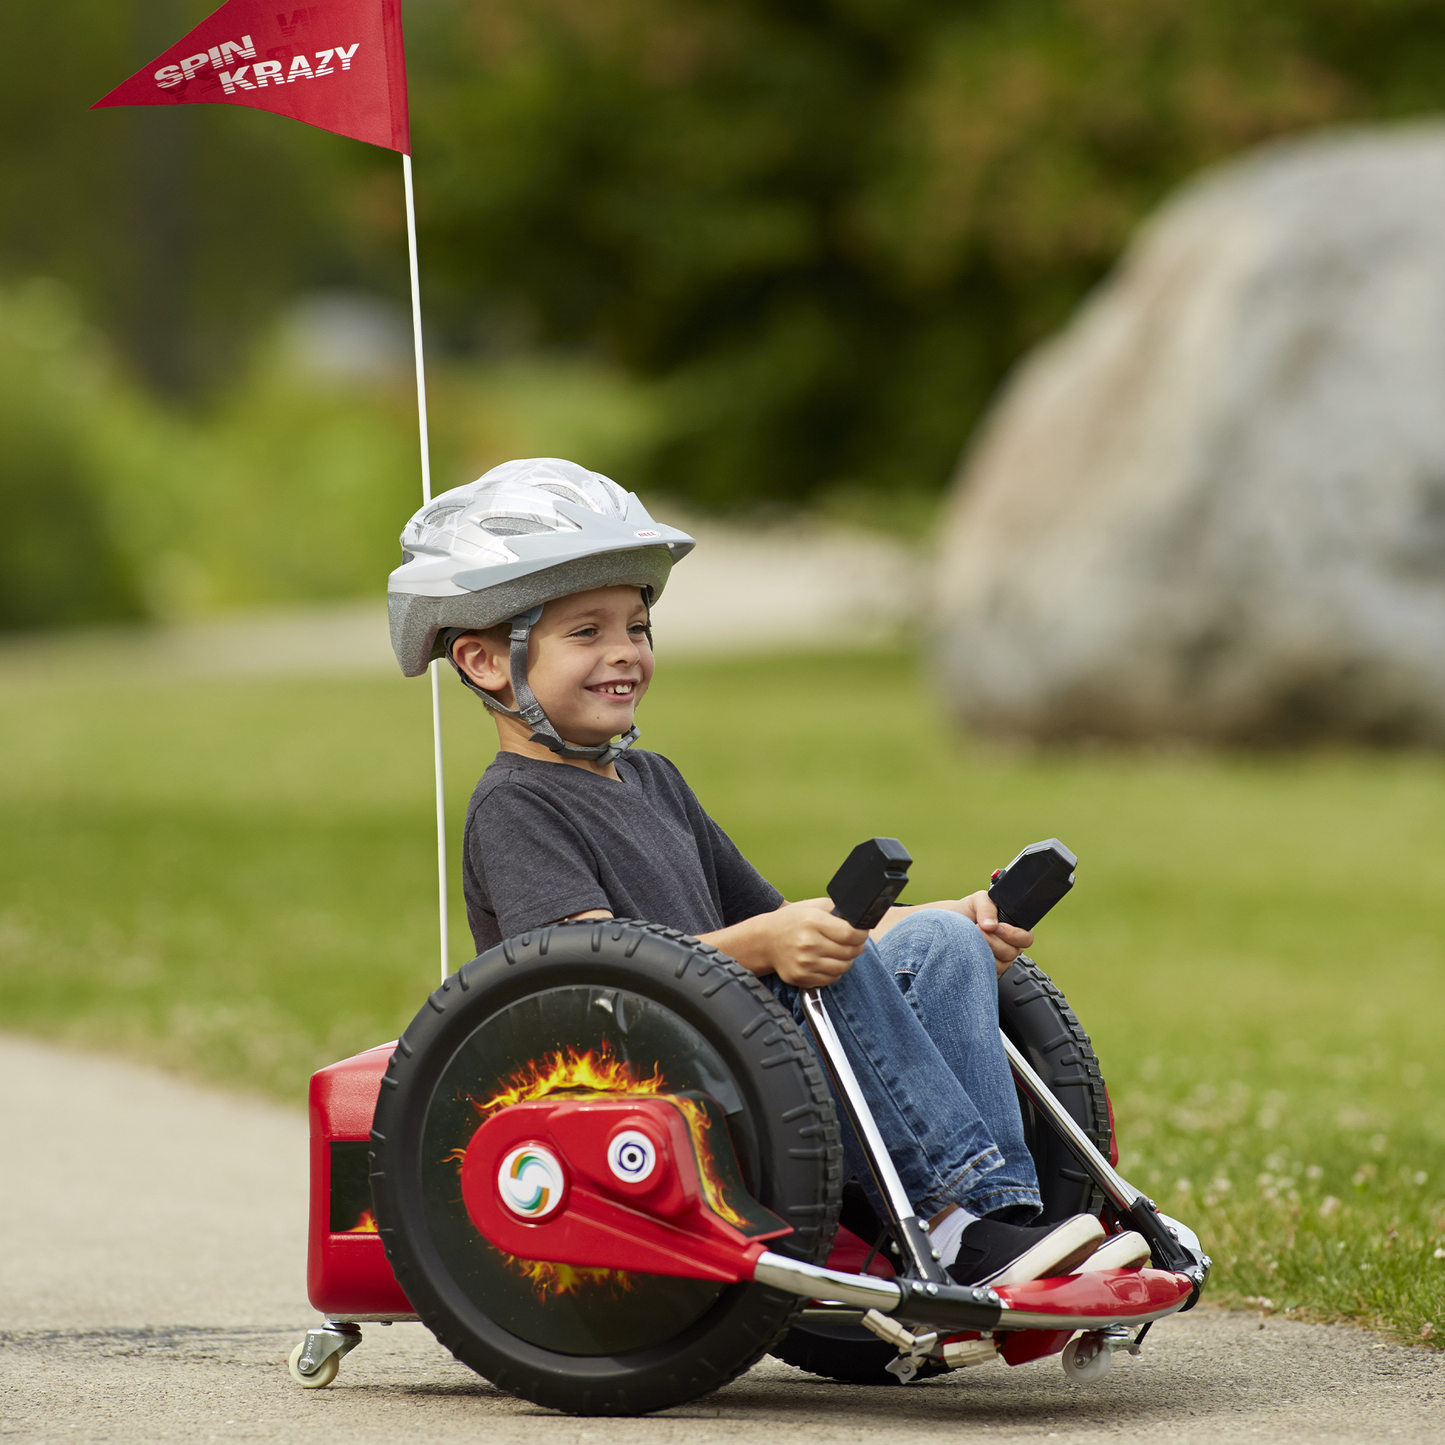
[[531, 1181], [631, 1156]]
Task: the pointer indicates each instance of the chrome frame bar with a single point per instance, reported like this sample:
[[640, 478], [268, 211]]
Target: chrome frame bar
[[1168, 1250], [862, 1291], [1121, 1193], [913, 1232]]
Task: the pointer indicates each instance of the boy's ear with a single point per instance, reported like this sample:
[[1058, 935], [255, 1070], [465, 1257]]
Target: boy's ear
[[486, 661]]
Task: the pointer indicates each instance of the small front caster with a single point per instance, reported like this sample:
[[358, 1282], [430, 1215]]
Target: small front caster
[[315, 1361], [324, 1373], [1087, 1358]]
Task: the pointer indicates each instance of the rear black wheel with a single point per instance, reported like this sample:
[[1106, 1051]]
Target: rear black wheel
[[1039, 1022], [608, 1006]]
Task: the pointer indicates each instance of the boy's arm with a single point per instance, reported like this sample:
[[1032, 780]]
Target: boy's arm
[[1006, 941], [805, 944]]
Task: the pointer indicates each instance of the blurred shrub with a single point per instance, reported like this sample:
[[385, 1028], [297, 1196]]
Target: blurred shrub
[[294, 487], [59, 561], [290, 486], [182, 227], [285, 490]]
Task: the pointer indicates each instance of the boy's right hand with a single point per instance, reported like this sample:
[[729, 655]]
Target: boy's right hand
[[805, 944]]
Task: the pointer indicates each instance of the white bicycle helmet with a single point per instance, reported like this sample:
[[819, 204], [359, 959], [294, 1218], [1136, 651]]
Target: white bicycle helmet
[[502, 547]]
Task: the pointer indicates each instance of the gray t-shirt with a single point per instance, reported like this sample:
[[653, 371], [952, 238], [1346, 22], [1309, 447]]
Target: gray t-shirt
[[545, 841]]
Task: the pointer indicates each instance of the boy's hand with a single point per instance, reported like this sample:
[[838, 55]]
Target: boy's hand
[[803, 943], [1006, 941]]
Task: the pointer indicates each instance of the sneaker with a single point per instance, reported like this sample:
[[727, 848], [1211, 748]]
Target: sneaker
[[994, 1253], [1123, 1251]]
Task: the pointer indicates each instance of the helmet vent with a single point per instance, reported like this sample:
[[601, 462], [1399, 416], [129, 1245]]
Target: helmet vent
[[568, 494], [513, 526]]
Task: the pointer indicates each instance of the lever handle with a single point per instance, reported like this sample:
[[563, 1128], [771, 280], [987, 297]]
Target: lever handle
[[869, 882]]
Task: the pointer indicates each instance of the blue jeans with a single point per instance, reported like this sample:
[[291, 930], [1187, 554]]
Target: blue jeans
[[918, 1018]]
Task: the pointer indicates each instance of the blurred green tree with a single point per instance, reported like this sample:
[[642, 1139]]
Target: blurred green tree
[[821, 229], [828, 227], [182, 228]]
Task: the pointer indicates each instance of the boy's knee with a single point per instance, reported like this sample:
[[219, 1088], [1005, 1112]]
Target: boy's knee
[[940, 931], [954, 929]]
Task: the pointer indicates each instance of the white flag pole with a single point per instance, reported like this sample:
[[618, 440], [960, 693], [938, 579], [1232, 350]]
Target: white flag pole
[[436, 693]]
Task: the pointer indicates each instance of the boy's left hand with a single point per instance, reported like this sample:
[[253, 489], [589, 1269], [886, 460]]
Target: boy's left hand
[[1006, 941]]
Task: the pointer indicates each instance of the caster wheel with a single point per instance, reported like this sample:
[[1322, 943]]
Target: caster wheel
[[1087, 1358], [323, 1376]]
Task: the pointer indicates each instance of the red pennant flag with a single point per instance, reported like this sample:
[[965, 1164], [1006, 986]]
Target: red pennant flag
[[338, 65]]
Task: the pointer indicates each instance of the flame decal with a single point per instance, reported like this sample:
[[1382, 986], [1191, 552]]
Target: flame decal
[[707, 1170], [565, 1071], [365, 1225], [568, 1070], [549, 1280], [597, 1072]]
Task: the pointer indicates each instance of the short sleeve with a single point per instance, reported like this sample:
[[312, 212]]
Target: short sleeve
[[743, 892], [740, 890], [524, 851]]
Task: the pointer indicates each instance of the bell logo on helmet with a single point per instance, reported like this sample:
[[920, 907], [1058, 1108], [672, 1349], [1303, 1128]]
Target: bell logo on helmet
[[648, 532], [531, 1181], [631, 1156]]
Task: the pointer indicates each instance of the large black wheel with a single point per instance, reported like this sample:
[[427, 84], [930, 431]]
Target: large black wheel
[[597, 1007], [1039, 1022], [1041, 1025]]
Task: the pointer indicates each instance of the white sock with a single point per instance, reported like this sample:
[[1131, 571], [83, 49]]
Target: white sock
[[947, 1234]]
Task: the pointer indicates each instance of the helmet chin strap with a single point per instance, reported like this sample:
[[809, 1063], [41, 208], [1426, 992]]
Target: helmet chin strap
[[530, 710]]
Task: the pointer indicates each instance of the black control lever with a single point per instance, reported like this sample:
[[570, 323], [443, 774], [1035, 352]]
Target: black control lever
[[869, 882], [1035, 881], [863, 890]]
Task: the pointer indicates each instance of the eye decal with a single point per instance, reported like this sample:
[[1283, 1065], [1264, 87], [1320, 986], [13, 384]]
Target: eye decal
[[631, 1156]]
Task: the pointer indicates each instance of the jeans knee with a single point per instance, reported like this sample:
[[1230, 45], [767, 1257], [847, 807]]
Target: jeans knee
[[941, 943], [961, 937]]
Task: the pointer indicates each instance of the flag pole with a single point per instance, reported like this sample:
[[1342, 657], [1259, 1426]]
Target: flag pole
[[436, 692]]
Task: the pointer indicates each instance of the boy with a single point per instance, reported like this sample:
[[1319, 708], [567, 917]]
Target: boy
[[536, 582]]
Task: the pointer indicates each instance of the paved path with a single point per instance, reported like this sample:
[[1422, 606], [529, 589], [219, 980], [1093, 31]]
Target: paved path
[[152, 1283]]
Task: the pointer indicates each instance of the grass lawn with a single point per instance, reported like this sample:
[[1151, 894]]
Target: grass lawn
[[234, 879]]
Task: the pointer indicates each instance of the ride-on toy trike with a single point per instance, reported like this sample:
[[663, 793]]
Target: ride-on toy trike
[[603, 1166]]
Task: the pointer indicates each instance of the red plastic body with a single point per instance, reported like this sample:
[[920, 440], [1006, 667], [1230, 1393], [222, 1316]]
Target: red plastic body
[[347, 1274], [1019, 1347], [667, 1223], [849, 1253], [1108, 1294], [572, 1205]]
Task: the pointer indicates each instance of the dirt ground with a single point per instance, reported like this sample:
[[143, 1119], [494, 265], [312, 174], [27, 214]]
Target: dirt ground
[[152, 1282]]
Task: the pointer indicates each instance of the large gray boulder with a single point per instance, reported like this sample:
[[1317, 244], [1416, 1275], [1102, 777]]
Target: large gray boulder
[[1214, 507]]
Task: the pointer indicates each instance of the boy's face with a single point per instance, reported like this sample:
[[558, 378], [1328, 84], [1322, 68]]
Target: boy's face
[[589, 664]]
